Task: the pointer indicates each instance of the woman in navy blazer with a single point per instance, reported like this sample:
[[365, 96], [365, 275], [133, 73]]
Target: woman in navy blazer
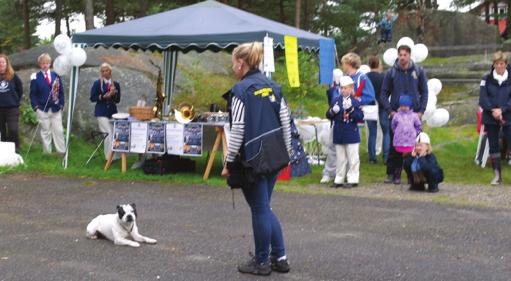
[[47, 99], [495, 100], [106, 93]]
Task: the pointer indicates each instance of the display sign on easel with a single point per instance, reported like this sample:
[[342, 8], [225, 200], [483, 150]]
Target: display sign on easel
[[184, 139], [155, 138], [121, 139], [138, 137]]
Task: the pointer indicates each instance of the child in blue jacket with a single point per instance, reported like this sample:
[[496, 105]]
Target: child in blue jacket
[[345, 112], [422, 168]]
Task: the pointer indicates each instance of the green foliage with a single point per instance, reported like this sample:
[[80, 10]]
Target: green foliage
[[28, 115], [11, 26]]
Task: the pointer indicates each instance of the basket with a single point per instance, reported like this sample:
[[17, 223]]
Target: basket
[[141, 113]]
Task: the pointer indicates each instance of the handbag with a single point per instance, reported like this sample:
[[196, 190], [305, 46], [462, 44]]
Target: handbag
[[370, 112]]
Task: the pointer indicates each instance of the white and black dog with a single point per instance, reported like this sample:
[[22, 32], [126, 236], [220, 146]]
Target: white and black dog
[[118, 227]]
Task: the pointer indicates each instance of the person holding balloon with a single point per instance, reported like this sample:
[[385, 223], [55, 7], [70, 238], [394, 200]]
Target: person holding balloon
[[495, 100], [47, 99]]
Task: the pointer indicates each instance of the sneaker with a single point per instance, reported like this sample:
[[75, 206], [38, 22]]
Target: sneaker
[[281, 266], [252, 267], [325, 179], [373, 161]]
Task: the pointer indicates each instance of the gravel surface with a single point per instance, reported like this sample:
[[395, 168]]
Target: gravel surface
[[201, 237]]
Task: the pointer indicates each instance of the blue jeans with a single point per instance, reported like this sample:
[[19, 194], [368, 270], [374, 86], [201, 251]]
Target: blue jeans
[[371, 143], [265, 225], [385, 128]]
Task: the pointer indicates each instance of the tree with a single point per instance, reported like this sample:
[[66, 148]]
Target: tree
[[58, 16], [298, 9], [109, 12], [89, 14], [26, 24]]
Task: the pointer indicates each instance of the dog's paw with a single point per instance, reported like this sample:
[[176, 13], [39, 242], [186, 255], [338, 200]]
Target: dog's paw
[[93, 237], [134, 244], [150, 241]]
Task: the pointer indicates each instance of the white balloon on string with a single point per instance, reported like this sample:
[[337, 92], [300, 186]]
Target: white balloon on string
[[78, 56], [405, 41], [430, 107], [62, 44], [62, 65], [390, 56], [419, 52], [434, 85], [440, 118]]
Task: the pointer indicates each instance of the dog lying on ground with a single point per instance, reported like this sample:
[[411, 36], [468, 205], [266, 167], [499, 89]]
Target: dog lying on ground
[[118, 227]]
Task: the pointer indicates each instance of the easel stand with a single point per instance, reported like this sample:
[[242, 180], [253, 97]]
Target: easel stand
[[123, 162], [220, 137]]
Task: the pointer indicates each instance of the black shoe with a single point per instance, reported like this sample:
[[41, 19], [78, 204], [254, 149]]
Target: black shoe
[[281, 266], [349, 185], [373, 161], [337, 185], [252, 267], [433, 190], [416, 187], [389, 179]]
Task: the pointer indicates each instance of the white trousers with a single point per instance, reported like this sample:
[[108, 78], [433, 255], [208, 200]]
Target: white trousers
[[331, 159], [51, 127], [348, 163], [106, 127]]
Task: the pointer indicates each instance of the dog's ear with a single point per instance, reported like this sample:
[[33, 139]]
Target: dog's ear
[[120, 211], [134, 209]]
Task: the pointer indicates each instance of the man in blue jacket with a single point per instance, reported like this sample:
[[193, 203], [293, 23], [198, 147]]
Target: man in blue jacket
[[47, 99], [404, 78]]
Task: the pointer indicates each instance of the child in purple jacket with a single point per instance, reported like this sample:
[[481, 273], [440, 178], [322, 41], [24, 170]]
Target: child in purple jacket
[[406, 125]]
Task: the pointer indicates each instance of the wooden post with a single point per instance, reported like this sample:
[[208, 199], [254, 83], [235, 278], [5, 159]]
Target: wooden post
[[109, 161], [218, 138]]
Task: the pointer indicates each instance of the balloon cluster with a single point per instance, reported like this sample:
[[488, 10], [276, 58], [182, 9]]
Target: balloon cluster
[[69, 55], [434, 117]]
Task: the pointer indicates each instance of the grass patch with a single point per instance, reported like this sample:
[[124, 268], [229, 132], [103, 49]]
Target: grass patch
[[454, 147], [438, 61]]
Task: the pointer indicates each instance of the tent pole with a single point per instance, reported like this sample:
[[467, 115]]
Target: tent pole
[[73, 85], [169, 67]]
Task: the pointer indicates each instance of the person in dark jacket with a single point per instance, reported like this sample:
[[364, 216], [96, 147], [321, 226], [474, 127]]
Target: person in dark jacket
[[106, 93], [346, 113], [386, 25], [422, 167], [495, 100], [47, 99], [404, 78], [332, 93], [376, 77], [261, 135], [11, 91]]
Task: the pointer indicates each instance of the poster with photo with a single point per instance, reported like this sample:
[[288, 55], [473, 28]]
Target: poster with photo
[[138, 137], [121, 139], [156, 138], [175, 138], [192, 139]]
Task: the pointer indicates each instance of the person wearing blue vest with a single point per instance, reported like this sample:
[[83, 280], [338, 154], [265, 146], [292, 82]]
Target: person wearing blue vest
[[11, 91], [332, 93], [386, 25], [47, 99], [106, 93], [403, 78], [261, 137], [345, 113], [364, 93]]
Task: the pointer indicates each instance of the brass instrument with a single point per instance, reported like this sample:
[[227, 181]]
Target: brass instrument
[[160, 96], [184, 113]]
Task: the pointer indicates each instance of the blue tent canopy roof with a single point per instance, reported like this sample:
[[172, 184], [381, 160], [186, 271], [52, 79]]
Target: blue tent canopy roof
[[208, 25]]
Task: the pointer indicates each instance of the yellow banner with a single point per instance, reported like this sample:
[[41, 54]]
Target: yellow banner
[[291, 49]]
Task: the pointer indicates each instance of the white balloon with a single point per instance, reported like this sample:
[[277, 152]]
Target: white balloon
[[390, 56], [78, 56], [62, 65], [364, 68], [419, 52], [62, 44], [440, 118], [430, 107], [405, 41], [435, 85]]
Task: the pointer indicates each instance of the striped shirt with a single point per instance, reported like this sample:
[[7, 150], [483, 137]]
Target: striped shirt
[[238, 127]]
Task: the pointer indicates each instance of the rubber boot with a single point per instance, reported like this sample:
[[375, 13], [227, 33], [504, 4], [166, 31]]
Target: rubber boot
[[495, 162]]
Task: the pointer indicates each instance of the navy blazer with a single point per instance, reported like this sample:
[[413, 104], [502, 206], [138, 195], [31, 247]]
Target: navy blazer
[[105, 107], [492, 95], [40, 93], [346, 132]]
